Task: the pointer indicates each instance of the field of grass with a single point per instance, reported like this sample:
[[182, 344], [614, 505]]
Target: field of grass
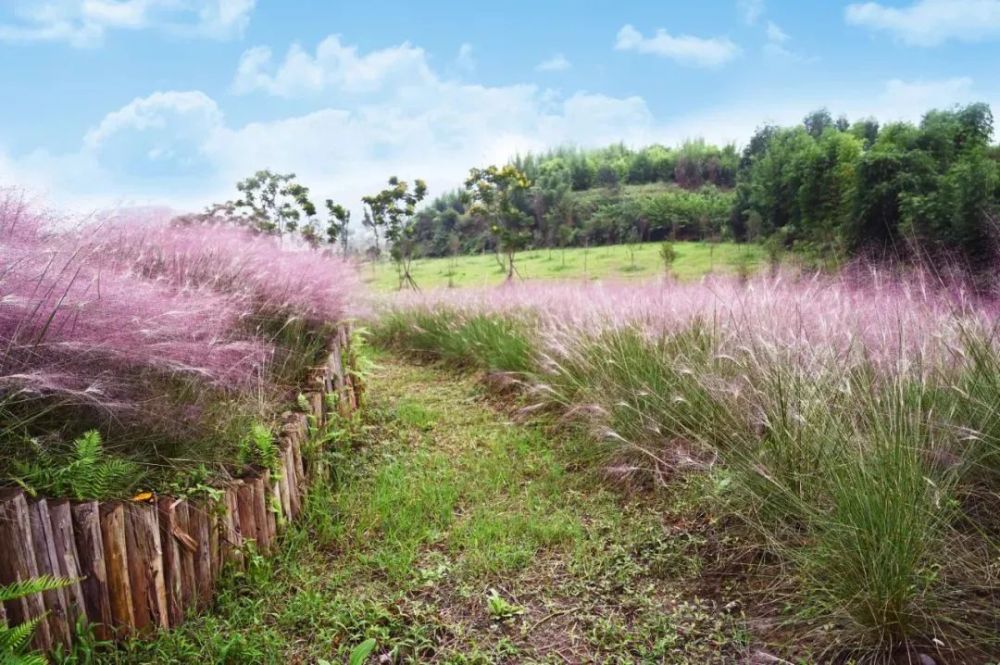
[[694, 259], [845, 431], [454, 535]]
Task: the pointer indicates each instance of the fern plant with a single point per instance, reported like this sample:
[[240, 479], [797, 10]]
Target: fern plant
[[258, 448], [85, 471], [14, 640]]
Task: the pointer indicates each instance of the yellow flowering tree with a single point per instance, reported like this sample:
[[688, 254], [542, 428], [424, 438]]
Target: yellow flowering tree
[[495, 192]]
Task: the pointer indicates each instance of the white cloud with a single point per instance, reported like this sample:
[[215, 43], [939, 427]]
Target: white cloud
[[685, 49], [930, 22], [751, 10], [193, 110], [557, 63], [775, 34], [334, 67], [925, 94], [85, 23], [178, 147], [466, 60]]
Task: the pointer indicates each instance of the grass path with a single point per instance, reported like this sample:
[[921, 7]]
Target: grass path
[[454, 534]]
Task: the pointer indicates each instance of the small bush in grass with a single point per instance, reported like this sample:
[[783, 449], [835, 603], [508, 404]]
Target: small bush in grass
[[668, 255]]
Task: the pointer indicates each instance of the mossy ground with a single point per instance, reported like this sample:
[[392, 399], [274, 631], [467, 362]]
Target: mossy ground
[[456, 531]]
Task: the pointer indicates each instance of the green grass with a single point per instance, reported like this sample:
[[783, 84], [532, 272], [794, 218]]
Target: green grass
[[694, 259], [456, 535]]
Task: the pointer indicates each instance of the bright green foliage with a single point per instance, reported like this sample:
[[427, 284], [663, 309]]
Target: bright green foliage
[[482, 342], [598, 197], [495, 192], [338, 228], [84, 471], [500, 608], [274, 203], [558, 216], [277, 204], [391, 211], [914, 191], [14, 640], [258, 448]]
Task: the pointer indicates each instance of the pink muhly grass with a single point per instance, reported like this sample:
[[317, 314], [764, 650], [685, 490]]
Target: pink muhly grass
[[71, 326], [880, 318], [261, 272]]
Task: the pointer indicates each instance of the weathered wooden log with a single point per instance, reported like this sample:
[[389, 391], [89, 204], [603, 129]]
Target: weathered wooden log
[[214, 527], [188, 548], [334, 364], [260, 514], [271, 500], [145, 567], [294, 497], [56, 602], [199, 523], [66, 555], [284, 492], [246, 508], [300, 471], [90, 550], [116, 562], [231, 536], [18, 564], [167, 507], [315, 400]]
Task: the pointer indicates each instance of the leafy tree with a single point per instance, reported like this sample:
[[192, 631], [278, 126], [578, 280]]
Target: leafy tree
[[914, 192], [818, 122], [495, 191], [392, 210], [338, 227], [274, 203]]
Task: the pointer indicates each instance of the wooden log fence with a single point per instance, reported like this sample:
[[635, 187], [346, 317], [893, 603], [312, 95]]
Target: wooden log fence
[[143, 565]]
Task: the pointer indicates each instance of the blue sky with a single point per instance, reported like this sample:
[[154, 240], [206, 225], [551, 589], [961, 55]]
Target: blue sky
[[135, 102]]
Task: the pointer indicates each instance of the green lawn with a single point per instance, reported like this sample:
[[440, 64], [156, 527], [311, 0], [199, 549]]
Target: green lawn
[[694, 259]]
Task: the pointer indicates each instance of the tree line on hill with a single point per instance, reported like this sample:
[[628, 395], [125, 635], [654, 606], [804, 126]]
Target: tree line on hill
[[827, 187]]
